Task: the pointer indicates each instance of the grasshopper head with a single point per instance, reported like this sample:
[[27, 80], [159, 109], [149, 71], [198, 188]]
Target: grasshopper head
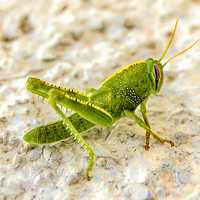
[[37, 86], [155, 73], [155, 67]]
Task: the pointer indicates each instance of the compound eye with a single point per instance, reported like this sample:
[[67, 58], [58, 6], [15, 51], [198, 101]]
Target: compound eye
[[156, 72]]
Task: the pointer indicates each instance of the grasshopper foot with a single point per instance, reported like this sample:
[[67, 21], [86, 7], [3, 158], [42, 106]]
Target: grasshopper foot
[[88, 175], [91, 161], [169, 142], [146, 147], [162, 140]]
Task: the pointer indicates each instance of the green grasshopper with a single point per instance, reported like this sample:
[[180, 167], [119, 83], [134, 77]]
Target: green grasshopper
[[118, 96]]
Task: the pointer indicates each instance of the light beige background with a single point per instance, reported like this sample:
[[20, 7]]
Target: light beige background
[[78, 44]]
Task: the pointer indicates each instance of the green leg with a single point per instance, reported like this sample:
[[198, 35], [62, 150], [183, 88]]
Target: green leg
[[71, 99], [142, 124], [87, 110], [143, 110], [77, 136], [42, 88]]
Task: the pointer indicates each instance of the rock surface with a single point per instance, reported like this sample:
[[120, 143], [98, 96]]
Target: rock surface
[[77, 44]]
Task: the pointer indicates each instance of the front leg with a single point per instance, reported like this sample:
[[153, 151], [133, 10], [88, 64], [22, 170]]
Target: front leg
[[142, 124], [143, 110]]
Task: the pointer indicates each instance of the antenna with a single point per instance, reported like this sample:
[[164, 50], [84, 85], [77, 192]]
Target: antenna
[[170, 41]]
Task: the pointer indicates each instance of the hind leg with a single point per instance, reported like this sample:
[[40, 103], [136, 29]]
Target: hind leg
[[91, 112]]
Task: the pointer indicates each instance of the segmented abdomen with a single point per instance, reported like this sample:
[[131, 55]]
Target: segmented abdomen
[[56, 131]]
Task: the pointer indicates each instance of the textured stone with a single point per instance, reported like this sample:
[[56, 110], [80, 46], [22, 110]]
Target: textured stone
[[77, 44]]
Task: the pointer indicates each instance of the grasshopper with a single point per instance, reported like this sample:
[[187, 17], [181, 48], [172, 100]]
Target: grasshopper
[[118, 96]]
